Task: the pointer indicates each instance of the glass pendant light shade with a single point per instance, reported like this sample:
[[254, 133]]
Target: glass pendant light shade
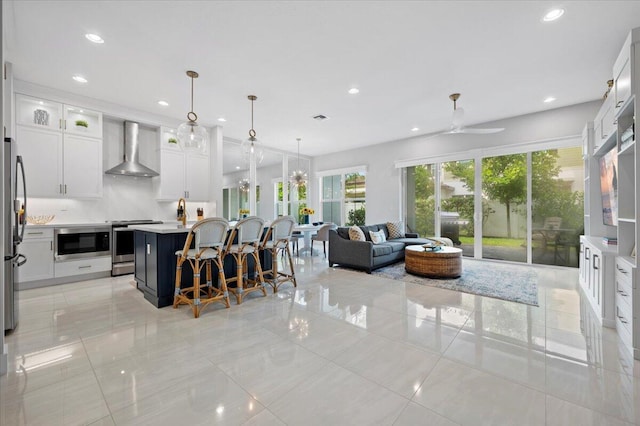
[[252, 146], [249, 146], [299, 177], [191, 136]]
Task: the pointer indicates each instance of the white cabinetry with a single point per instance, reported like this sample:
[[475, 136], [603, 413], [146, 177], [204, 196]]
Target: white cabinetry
[[182, 174], [64, 160], [596, 278], [83, 266], [614, 128], [37, 247]]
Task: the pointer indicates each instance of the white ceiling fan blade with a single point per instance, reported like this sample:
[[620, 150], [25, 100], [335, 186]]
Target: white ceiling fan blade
[[478, 131]]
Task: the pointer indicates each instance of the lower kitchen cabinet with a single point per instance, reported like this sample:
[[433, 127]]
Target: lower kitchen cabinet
[[89, 265], [37, 247], [155, 265], [597, 278]]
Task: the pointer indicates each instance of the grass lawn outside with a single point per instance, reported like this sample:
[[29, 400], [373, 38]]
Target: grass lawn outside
[[495, 241]]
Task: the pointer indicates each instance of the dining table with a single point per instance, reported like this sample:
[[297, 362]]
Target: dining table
[[307, 231]]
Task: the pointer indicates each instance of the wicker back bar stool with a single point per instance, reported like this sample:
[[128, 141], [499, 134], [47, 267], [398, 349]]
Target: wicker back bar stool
[[244, 241], [277, 239], [208, 236]]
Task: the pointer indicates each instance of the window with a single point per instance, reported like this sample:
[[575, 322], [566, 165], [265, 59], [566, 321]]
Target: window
[[343, 198], [297, 200]]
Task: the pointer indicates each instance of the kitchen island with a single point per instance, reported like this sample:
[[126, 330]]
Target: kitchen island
[[155, 261]]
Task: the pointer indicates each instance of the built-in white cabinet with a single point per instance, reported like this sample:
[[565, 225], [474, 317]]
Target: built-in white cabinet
[[596, 275], [614, 131], [37, 247], [50, 115], [182, 174], [82, 266], [61, 160]]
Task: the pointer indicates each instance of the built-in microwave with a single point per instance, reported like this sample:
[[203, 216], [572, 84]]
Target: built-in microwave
[[81, 242]]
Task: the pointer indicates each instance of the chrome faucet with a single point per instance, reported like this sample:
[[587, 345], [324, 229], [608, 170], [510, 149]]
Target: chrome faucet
[[182, 211]]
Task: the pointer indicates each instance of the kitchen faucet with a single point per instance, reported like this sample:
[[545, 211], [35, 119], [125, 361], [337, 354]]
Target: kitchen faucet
[[182, 211]]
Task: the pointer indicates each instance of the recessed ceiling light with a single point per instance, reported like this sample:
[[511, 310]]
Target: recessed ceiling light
[[95, 38], [549, 99], [222, 119], [354, 91], [163, 103], [237, 167], [415, 129], [553, 14], [79, 79]]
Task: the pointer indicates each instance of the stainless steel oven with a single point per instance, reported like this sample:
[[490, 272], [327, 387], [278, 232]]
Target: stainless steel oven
[[81, 242], [122, 246]]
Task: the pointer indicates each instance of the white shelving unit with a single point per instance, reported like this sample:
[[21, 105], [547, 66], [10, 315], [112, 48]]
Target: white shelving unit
[[612, 126]]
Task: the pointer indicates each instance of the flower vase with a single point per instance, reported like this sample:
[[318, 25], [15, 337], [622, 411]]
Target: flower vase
[[305, 219]]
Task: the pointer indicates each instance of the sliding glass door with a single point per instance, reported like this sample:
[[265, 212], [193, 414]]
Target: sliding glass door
[[453, 199], [519, 207], [457, 204], [504, 188], [557, 206], [420, 195]]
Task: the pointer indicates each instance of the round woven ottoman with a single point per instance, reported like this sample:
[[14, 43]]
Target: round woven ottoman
[[444, 263]]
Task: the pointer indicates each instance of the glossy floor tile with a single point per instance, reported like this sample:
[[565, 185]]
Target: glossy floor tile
[[344, 347]]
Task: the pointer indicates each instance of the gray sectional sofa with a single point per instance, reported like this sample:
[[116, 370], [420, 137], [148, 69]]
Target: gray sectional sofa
[[368, 256]]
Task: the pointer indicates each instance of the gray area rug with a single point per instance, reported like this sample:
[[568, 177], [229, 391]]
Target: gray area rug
[[508, 282]]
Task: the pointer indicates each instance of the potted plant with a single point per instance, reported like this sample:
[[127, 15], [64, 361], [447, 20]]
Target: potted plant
[[82, 123], [173, 140]]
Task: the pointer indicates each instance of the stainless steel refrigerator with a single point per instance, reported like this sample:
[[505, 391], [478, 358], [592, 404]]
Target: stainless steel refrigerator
[[13, 230]]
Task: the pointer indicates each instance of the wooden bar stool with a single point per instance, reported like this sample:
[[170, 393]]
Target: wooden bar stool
[[277, 239], [209, 235], [247, 236]]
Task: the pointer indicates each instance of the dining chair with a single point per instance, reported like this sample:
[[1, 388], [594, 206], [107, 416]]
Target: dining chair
[[277, 239], [244, 242], [323, 235], [208, 238]]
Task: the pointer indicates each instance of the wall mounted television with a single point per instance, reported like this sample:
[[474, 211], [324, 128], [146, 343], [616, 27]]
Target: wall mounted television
[[609, 186]]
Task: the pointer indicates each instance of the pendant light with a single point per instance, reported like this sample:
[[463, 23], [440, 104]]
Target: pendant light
[[299, 177], [252, 145], [244, 185], [191, 136]]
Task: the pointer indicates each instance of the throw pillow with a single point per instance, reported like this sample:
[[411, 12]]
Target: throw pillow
[[396, 230], [356, 234], [377, 237]]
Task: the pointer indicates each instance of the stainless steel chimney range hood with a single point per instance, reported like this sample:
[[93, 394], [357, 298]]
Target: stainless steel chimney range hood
[[130, 165]]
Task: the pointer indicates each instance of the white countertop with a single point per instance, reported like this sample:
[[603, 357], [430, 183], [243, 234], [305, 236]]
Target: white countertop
[[163, 228], [71, 225]]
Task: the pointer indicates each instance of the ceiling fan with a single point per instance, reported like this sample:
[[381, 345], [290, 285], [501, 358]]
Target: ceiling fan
[[457, 121]]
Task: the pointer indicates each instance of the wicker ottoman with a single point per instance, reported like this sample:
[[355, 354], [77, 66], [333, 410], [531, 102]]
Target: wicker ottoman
[[444, 263]]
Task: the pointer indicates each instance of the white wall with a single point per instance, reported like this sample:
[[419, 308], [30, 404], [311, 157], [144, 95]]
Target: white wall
[[383, 179]]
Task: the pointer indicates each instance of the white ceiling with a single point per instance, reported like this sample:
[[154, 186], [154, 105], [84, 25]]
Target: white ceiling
[[300, 58]]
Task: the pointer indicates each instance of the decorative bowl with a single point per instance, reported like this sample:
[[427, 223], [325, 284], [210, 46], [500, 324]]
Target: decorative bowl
[[40, 220]]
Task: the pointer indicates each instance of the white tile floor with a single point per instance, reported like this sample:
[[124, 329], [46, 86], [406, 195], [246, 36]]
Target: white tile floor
[[344, 348]]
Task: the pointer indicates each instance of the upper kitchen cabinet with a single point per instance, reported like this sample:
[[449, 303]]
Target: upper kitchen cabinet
[[60, 162], [45, 114], [182, 174]]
